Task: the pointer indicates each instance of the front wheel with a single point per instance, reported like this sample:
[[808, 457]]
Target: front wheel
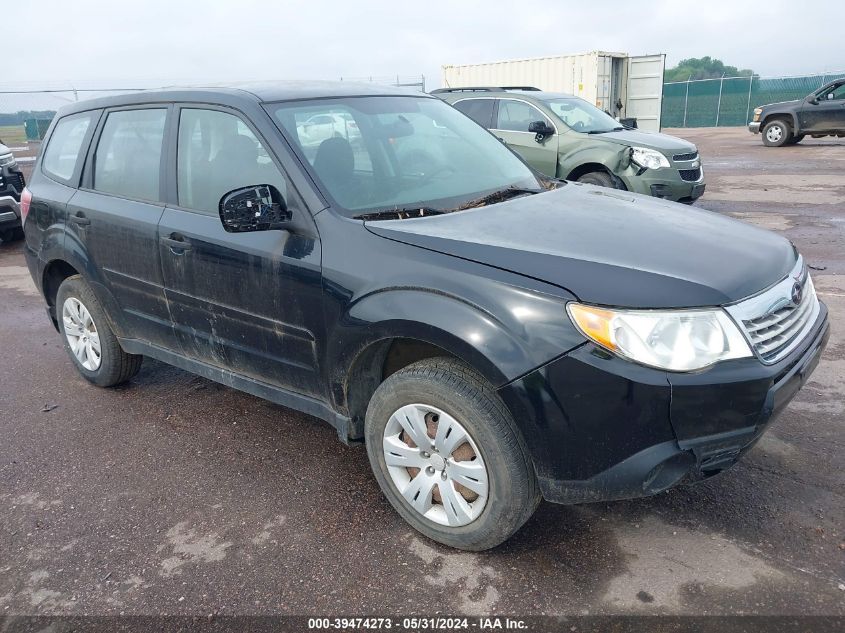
[[89, 341], [776, 133], [599, 178], [448, 456]]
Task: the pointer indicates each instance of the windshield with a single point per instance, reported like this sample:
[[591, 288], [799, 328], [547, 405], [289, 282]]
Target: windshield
[[583, 117], [381, 153]]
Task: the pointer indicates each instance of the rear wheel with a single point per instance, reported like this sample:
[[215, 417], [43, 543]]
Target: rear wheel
[[776, 133], [88, 339], [599, 178], [448, 456]]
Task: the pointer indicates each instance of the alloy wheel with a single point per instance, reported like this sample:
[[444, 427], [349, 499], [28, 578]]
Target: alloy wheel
[[435, 465], [81, 333]]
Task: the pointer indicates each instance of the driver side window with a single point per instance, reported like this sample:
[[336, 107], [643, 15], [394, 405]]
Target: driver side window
[[516, 116], [216, 153], [837, 93]]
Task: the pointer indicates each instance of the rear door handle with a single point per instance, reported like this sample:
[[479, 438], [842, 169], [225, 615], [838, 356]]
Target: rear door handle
[[79, 219], [176, 243]]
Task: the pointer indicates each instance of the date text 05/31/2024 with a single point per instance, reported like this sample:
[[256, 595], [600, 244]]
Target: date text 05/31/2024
[[418, 623]]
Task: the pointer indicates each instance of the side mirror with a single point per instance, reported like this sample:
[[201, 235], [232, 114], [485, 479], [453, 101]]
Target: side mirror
[[254, 208], [812, 100], [541, 130]]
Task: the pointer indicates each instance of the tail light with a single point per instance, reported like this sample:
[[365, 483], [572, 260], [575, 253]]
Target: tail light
[[26, 199]]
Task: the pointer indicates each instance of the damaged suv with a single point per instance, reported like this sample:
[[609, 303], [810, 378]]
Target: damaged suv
[[566, 137], [494, 337]]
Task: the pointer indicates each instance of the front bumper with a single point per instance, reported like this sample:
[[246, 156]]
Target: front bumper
[[665, 183], [754, 127], [601, 428], [10, 212]]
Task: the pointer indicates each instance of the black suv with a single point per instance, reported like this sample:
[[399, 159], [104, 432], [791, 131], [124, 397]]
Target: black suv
[[819, 114], [492, 335], [11, 187]]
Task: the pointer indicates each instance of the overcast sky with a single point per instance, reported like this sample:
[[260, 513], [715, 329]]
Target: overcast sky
[[113, 43]]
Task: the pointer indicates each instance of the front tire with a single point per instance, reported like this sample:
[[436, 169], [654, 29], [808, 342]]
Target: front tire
[[600, 179], [92, 346], [448, 456], [777, 133]]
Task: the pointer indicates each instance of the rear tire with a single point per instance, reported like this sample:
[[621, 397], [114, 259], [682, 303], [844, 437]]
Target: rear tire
[[776, 133], [600, 179], [492, 459], [88, 338]]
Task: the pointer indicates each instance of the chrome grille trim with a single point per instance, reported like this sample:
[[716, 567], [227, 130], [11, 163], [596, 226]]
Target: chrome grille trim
[[771, 322], [685, 157]]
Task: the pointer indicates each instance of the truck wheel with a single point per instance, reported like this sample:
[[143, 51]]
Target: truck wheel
[[448, 456], [776, 133], [88, 339], [599, 178]]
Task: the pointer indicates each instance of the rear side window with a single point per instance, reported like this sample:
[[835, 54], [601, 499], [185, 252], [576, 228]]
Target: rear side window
[[65, 145], [128, 158], [479, 110]]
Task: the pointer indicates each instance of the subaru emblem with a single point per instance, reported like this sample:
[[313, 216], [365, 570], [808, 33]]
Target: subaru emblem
[[796, 293]]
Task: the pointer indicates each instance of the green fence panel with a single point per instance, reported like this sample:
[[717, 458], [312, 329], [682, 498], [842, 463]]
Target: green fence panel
[[731, 101]]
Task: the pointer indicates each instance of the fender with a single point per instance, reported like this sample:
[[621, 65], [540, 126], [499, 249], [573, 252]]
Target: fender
[[782, 114], [607, 154], [531, 330], [73, 252]]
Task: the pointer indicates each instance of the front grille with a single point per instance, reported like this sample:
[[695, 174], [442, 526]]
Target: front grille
[[690, 175], [773, 322], [685, 157]]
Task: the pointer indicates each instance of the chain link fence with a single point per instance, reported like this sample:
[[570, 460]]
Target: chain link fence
[[26, 110], [730, 101]]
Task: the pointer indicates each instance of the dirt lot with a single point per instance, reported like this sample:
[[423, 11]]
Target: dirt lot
[[175, 495]]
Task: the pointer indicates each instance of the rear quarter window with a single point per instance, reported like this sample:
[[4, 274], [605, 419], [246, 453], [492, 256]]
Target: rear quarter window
[[479, 110], [62, 154]]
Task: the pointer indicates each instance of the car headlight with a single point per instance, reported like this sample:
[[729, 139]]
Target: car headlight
[[674, 340], [757, 113], [649, 158]]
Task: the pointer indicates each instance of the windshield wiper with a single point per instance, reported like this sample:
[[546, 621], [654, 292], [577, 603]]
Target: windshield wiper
[[400, 213], [497, 196], [615, 129]]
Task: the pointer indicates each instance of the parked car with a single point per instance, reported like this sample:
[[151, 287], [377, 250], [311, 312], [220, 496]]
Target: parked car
[[493, 336], [821, 113], [565, 137], [11, 185], [319, 127]]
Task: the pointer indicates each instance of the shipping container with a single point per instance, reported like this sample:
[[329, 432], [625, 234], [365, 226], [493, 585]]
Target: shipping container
[[625, 86]]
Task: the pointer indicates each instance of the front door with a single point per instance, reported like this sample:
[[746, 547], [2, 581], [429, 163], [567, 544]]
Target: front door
[[827, 114], [512, 119], [115, 214], [247, 302]]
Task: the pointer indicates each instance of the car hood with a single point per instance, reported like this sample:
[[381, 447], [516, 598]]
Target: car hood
[[652, 140], [609, 247], [782, 104]]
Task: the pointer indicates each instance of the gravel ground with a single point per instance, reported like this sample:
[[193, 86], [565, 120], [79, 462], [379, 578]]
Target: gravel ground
[[175, 495]]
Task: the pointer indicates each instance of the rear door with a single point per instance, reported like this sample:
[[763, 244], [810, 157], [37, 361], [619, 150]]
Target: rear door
[[512, 118], [248, 302], [479, 110], [114, 218]]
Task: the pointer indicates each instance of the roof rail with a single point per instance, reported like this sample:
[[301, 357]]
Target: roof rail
[[484, 89]]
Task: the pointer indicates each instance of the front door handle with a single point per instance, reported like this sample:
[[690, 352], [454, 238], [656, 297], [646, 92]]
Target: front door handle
[[79, 219], [176, 243]]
